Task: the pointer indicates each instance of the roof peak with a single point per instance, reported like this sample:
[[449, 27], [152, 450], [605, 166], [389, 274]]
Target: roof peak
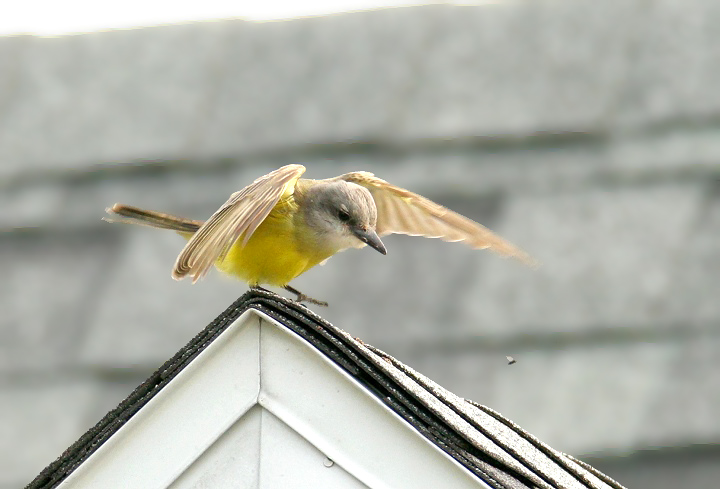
[[492, 447]]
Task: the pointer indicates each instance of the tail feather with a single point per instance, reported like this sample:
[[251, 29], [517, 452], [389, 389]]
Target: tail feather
[[133, 215]]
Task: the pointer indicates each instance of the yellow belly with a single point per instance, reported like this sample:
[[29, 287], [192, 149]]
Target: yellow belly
[[275, 253]]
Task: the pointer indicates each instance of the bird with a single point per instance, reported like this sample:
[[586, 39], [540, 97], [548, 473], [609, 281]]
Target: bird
[[281, 226]]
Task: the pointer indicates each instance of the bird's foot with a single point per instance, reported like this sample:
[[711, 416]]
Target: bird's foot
[[304, 298]]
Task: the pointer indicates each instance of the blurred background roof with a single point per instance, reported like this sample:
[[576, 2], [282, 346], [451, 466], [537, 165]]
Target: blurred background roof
[[77, 16], [585, 132]]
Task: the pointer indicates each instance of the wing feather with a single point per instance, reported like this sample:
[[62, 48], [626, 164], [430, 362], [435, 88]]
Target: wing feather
[[239, 217], [403, 212]]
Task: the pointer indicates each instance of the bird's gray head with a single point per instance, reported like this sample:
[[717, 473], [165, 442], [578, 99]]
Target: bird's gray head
[[342, 215]]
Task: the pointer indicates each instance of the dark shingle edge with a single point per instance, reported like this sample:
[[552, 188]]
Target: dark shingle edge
[[423, 404]]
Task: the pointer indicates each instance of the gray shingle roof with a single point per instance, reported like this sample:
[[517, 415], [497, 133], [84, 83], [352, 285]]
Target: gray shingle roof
[[383, 77], [586, 132]]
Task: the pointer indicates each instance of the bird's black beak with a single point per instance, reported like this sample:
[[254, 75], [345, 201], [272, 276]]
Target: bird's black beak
[[370, 238]]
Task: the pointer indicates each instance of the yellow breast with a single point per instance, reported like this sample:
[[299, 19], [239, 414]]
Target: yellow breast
[[276, 252]]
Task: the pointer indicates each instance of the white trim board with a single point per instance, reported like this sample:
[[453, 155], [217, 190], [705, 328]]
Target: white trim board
[[262, 408]]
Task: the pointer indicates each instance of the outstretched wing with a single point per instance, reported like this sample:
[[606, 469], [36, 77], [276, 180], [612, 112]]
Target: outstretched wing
[[403, 212], [238, 217]]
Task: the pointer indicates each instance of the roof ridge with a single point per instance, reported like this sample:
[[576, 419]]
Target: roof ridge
[[503, 454]]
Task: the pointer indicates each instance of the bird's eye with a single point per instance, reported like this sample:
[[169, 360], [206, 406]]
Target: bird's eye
[[343, 216]]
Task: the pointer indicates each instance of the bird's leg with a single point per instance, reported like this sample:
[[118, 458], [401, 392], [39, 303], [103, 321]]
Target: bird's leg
[[304, 298]]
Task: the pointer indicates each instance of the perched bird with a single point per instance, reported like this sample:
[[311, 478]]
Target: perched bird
[[281, 225]]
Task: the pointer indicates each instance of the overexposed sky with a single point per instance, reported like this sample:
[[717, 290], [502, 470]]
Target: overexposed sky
[[57, 17]]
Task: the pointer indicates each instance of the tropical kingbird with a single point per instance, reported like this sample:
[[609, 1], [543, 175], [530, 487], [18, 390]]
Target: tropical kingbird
[[281, 225]]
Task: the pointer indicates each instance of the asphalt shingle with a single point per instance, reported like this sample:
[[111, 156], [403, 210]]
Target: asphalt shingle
[[579, 398], [477, 79], [353, 72], [676, 61], [53, 416], [130, 326], [694, 290], [108, 97], [584, 132], [607, 259], [11, 52], [685, 410], [496, 450], [66, 273]]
